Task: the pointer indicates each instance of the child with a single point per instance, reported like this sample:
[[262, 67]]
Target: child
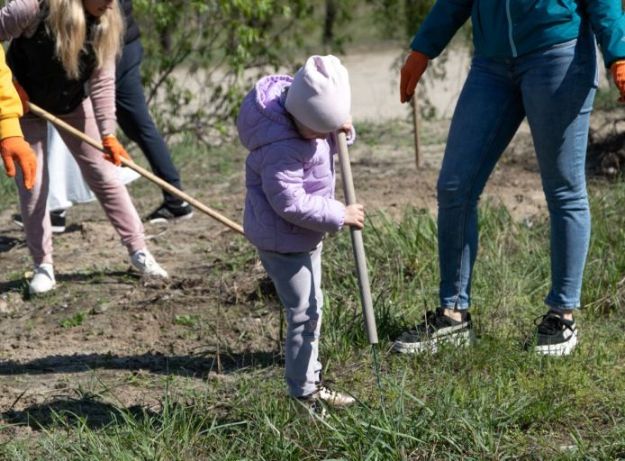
[[62, 53], [288, 124]]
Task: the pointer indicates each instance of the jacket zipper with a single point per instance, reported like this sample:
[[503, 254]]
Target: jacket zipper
[[510, 38]]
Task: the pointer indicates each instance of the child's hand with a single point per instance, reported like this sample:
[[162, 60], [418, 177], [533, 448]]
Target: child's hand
[[355, 215], [347, 127]]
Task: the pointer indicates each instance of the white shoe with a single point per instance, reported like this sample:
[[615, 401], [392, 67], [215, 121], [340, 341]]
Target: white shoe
[[144, 262], [334, 398], [43, 280], [314, 405]]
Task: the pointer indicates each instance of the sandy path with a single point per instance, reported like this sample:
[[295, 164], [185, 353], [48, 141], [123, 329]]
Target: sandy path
[[374, 78]]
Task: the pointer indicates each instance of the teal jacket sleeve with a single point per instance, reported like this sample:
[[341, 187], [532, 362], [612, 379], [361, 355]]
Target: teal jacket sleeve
[[608, 24], [440, 25]]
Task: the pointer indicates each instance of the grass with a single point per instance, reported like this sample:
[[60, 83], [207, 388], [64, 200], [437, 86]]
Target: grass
[[607, 98], [493, 401], [74, 321]]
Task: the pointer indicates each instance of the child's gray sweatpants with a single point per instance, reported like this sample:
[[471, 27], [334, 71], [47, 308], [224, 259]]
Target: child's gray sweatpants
[[297, 278]]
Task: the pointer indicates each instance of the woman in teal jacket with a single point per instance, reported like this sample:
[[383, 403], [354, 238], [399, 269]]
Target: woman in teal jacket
[[533, 59]]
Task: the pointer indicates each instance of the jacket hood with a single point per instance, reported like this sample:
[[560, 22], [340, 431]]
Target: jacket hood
[[263, 118]]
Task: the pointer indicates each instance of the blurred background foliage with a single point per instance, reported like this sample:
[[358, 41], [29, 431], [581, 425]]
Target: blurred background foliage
[[201, 57]]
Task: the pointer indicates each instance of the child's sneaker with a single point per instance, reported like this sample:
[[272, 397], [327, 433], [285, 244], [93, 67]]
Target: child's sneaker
[[555, 335], [43, 280], [334, 399], [144, 262], [435, 330], [311, 406], [316, 402]]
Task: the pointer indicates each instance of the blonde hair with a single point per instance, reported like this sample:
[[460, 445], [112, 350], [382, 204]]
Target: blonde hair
[[68, 25]]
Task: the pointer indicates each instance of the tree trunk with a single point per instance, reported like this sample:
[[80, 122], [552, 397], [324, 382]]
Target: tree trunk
[[330, 20]]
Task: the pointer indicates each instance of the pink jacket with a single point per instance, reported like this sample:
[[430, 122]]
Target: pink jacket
[[290, 202]]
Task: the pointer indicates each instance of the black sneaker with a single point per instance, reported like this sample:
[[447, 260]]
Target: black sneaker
[[435, 330], [57, 218], [554, 335], [170, 212]]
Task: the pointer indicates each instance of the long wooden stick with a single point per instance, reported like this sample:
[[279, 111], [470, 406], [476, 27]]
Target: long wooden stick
[[357, 243], [415, 123], [142, 171]]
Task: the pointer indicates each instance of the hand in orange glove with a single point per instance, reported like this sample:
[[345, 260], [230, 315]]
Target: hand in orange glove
[[23, 96], [411, 73], [114, 150], [15, 149], [618, 74]]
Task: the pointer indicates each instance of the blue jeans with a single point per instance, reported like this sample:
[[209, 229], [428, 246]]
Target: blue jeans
[[554, 88], [135, 120]]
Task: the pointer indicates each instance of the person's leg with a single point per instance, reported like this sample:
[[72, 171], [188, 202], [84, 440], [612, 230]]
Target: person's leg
[[36, 220], [33, 203], [559, 86], [488, 113], [297, 278], [102, 179], [558, 92], [135, 120]]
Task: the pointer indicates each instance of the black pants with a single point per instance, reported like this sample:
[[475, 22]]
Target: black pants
[[135, 120]]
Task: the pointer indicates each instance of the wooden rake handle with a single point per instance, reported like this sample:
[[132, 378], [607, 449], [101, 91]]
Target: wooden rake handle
[[357, 243], [133, 166]]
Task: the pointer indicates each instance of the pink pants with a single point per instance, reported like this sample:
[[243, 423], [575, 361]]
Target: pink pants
[[98, 173]]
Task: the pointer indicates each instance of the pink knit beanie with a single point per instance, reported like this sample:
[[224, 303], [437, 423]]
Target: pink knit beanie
[[320, 97]]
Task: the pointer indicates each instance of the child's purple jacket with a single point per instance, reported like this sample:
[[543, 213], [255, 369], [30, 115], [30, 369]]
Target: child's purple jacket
[[290, 203]]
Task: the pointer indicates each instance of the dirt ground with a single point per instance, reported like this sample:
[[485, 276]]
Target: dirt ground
[[106, 333], [107, 337]]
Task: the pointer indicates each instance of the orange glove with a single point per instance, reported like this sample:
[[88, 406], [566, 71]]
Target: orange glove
[[411, 73], [114, 150], [23, 96], [13, 149], [618, 74]]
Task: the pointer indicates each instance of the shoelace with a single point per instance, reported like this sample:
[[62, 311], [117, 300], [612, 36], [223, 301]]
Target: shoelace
[[43, 270], [436, 319], [551, 323], [145, 260], [432, 320]]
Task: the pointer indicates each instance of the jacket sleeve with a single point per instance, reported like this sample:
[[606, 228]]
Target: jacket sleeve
[[283, 184], [102, 93], [10, 104], [440, 25], [17, 18], [608, 24]]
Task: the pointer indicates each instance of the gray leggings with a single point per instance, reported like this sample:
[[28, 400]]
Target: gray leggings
[[297, 278]]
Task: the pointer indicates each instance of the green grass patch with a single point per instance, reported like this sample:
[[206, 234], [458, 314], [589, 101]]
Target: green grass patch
[[74, 321], [607, 99], [186, 320], [493, 401]]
